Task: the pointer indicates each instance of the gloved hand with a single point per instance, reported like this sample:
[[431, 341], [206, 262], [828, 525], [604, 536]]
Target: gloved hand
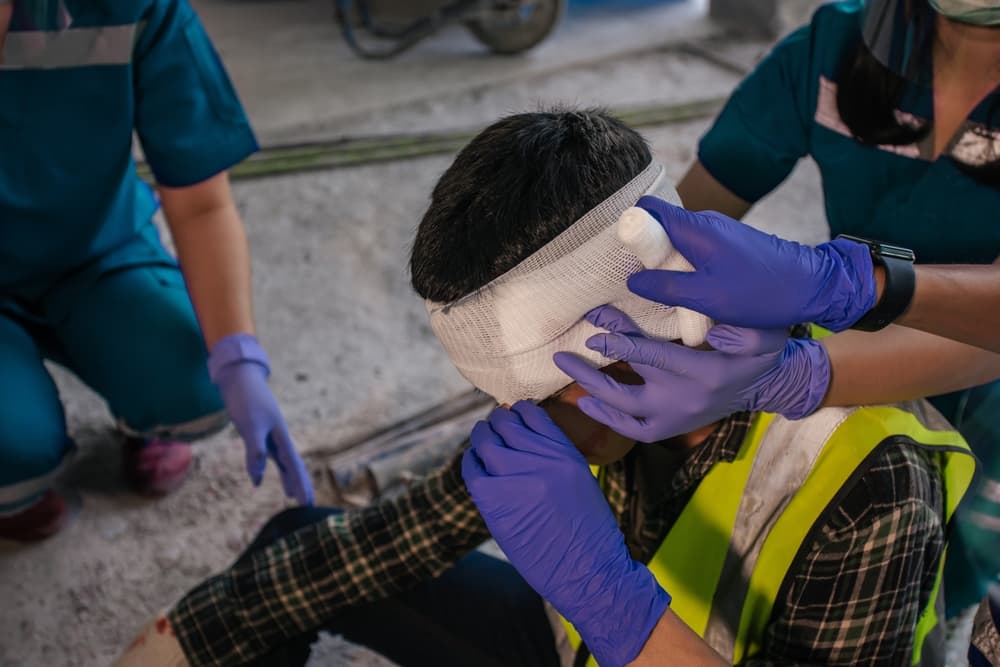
[[238, 366], [685, 388], [546, 511], [748, 278]]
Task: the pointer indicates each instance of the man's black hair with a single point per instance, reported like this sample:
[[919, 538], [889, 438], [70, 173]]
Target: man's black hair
[[516, 186]]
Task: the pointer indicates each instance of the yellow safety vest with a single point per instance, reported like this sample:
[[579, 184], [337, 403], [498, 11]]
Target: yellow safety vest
[[725, 558]]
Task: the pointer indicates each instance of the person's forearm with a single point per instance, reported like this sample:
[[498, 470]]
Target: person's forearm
[[898, 364], [673, 643], [957, 302], [950, 303], [699, 191], [214, 256]]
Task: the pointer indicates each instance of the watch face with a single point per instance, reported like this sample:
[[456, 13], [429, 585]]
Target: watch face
[[895, 251], [882, 249]]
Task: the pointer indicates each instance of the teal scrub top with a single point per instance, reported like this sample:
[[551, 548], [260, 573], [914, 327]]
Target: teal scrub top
[[74, 85], [786, 109]]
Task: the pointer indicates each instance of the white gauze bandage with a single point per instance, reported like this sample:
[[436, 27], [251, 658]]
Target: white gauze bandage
[[502, 336]]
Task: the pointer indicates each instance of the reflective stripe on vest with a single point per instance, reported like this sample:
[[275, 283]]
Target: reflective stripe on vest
[[72, 47], [725, 575]]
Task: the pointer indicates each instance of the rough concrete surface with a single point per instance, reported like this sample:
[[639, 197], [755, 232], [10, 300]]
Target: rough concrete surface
[[349, 342], [765, 17]]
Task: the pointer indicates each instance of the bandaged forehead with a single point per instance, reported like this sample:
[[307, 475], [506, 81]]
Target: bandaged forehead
[[502, 336]]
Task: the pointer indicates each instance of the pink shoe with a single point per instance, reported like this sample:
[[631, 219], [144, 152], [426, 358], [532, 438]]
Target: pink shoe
[[34, 523], [155, 467]]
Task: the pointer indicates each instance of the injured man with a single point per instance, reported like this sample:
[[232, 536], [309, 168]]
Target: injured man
[[755, 540]]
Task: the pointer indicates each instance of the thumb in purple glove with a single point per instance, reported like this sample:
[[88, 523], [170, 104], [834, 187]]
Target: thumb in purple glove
[[239, 367], [544, 508], [748, 278], [684, 389]]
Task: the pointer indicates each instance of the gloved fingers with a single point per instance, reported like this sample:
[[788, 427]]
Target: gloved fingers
[[473, 470], [495, 454], [691, 233], [275, 454], [615, 419], [509, 431], [746, 341], [642, 352], [256, 458], [485, 441], [536, 419], [672, 288], [596, 383], [610, 318], [518, 436], [482, 432], [295, 478], [500, 460]]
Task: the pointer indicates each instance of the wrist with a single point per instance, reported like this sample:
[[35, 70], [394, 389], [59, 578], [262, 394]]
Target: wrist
[[815, 377], [848, 286], [800, 382], [616, 632], [896, 264], [236, 349], [879, 275]]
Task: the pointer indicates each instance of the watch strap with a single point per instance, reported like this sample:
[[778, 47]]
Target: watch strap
[[900, 282]]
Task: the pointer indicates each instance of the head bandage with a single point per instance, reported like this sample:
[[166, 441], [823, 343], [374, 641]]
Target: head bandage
[[502, 336]]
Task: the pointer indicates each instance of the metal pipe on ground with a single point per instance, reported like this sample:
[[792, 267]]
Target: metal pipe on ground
[[385, 460]]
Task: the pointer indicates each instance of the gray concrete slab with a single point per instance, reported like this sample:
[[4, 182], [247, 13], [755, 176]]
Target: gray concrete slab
[[769, 18]]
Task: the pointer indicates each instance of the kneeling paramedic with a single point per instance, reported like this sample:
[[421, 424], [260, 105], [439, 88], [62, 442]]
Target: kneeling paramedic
[[84, 279], [828, 557]]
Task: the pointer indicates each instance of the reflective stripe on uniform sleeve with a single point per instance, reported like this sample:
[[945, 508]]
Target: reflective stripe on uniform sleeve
[[73, 47]]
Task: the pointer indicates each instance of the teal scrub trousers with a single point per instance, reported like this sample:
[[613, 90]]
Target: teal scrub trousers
[[130, 335], [83, 279]]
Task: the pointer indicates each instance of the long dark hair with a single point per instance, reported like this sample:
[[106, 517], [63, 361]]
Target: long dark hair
[[869, 94]]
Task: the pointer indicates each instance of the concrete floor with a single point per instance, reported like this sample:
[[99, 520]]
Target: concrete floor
[[298, 78], [349, 342]]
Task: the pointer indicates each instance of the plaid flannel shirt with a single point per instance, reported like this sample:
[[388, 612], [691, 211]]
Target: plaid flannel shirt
[[853, 596]]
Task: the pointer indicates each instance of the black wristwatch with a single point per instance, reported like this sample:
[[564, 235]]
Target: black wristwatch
[[900, 281]]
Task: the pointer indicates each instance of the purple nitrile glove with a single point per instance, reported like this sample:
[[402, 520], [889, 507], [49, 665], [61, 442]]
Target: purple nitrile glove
[[685, 388], [748, 278], [544, 508], [238, 365]]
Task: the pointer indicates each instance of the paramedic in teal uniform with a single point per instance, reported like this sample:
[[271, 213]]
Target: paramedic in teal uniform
[[84, 280], [897, 102]]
